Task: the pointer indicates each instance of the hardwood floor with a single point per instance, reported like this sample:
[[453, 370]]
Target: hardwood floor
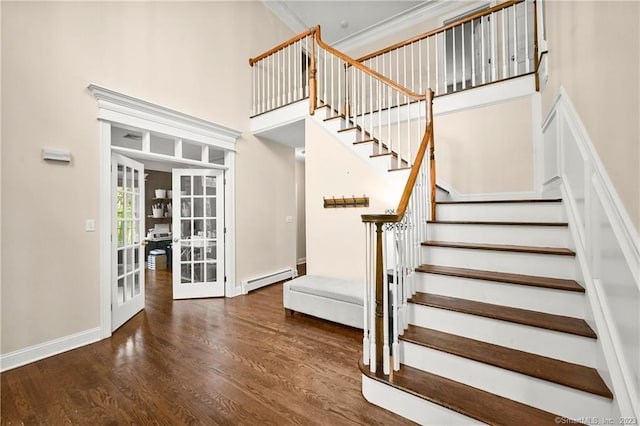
[[208, 361]]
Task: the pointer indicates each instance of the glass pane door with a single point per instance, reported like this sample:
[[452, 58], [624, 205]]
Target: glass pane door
[[127, 270], [198, 233]]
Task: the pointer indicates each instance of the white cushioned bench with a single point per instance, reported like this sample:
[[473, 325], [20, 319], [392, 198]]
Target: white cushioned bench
[[332, 299]]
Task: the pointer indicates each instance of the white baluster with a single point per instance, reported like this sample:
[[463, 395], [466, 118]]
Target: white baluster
[[408, 131], [437, 64], [380, 103], [527, 66], [505, 52], [420, 86], [395, 348], [515, 41], [385, 308], [464, 65], [473, 56], [367, 267], [428, 65], [445, 54], [306, 67], [455, 68], [484, 59], [494, 63]]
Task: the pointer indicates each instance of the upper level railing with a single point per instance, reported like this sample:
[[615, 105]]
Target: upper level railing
[[305, 66], [487, 46]]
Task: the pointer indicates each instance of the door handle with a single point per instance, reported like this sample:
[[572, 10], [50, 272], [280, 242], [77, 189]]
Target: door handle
[[176, 239]]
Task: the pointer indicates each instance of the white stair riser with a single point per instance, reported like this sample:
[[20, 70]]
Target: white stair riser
[[515, 212], [491, 260], [554, 344], [540, 236], [411, 407], [548, 396], [559, 302]]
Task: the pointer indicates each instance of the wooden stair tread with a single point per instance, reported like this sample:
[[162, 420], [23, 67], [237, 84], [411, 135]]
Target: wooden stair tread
[[397, 169], [334, 117], [553, 322], [564, 373], [502, 247], [535, 200], [369, 140], [472, 402], [487, 222], [504, 277]]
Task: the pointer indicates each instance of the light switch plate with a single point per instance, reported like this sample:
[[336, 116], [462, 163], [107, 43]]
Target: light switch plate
[[90, 225]]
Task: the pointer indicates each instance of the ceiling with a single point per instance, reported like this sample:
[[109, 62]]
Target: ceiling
[[342, 20]]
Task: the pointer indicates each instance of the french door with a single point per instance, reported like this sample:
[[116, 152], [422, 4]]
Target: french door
[[127, 251], [198, 233]]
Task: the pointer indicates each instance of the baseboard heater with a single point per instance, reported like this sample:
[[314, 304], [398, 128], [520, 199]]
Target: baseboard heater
[[265, 280]]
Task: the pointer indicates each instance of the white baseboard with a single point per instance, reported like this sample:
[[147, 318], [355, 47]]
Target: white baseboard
[[256, 283], [605, 240], [302, 260], [40, 351]]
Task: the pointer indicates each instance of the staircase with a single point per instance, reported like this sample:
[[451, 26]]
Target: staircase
[[473, 312], [496, 326]]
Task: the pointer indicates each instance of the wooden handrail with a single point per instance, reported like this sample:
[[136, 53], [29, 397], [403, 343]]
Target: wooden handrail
[[281, 46], [354, 63], [427, 140], [440, 29]]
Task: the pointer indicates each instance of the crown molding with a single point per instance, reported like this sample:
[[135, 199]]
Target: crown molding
[[288, 16], [391, 25], [120, 108]]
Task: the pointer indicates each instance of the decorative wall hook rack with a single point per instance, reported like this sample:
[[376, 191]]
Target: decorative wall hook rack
[[353, 201]]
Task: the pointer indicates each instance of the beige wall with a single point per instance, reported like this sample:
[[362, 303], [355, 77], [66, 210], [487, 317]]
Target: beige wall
[[335, 237], [301, 252], [190, 57], [594, 53], [487, 149]]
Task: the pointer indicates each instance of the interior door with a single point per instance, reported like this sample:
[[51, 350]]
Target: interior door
[[198, 233], [127, 251]]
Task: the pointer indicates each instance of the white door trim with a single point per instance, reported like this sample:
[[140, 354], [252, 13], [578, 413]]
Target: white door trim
[[117, 108]]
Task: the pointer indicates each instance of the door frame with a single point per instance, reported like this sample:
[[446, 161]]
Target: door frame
[[119, 109]]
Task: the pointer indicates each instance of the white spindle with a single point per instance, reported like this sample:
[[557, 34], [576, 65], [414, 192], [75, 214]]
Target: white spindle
[[420, 64], [494, 63], [380, 103], [454, 83], [515, 41], [464, 65], [367, 269], [404, 66], [399, 125], [306, 67], [325, 100], [484, 59], [408, 130], [385, 309], [473, 56], [370, 128], [428, 65], [395, 348], [444, 53], [289, 80], [505, 52], [527, 67]]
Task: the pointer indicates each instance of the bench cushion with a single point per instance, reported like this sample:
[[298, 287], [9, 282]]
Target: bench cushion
[[330, 288]]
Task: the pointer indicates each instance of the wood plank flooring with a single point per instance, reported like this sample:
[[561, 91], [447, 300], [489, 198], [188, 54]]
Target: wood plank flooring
[[208, 361]]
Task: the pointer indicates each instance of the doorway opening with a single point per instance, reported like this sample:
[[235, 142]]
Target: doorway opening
[[136, 136]]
